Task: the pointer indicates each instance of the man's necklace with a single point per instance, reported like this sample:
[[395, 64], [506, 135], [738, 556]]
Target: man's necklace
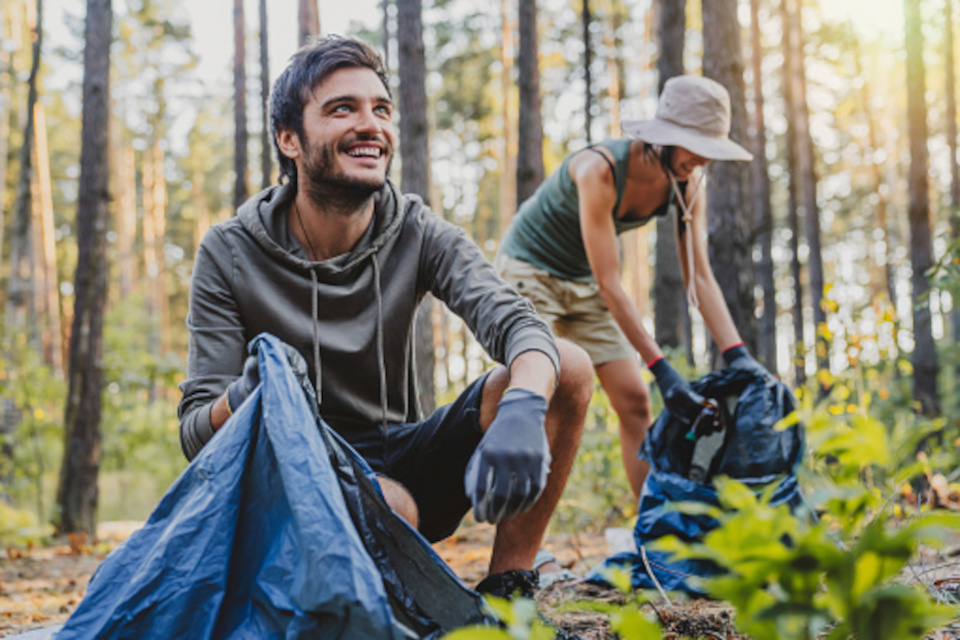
[[313, 252]]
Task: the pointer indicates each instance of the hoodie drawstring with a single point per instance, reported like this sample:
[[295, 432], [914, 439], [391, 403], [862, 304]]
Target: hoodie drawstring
[[687, 219], [380, 358], [315, 307]]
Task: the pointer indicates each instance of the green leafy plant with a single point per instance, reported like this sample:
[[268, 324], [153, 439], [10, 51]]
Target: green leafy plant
[[520, 619]]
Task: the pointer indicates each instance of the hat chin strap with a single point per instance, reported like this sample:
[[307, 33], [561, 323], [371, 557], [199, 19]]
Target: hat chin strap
[[687, 218]]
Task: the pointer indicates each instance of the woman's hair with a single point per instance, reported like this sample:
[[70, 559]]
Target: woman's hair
[[307, 69], [661, 154]]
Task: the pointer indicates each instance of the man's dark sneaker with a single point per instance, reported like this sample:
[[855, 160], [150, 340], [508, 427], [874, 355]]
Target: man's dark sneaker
[[510, 584]]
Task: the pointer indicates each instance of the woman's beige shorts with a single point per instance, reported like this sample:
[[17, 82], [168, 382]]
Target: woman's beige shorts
[[574, 310]]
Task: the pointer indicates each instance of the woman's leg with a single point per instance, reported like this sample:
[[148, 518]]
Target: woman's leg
[[630, 397]]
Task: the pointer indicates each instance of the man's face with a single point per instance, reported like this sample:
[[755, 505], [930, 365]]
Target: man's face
[[348, 133], [684, 162]]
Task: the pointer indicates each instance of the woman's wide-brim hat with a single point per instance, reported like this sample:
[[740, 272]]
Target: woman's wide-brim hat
[[693, 113]]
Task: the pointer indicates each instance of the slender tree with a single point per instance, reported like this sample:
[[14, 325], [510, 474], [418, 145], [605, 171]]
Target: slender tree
[[921, 243], [728, 208], [951, 116], [530, 129], [415, 169], [77, 493], [240, 190], [266, 160], [7, 79], [19, 283], [793, 189], [587, 61], [806, 161], [762, 209], [308, 21], [671, 316], [508, 151]]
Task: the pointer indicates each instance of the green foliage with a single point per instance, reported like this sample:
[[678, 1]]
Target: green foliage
[[34, 395], [796, 577], [520, 622], [18, 527]]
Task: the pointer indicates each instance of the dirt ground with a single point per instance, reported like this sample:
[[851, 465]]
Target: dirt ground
[[42, 587]]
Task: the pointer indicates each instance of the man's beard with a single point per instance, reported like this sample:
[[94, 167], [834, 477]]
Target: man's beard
[[331, 188]]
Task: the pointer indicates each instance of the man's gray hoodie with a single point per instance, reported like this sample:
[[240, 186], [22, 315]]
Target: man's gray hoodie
[[351, 317]]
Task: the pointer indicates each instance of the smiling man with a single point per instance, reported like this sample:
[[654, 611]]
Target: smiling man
[[334, 261]]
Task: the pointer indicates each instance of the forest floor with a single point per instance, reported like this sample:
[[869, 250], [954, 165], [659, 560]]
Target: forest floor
[[41, 587]]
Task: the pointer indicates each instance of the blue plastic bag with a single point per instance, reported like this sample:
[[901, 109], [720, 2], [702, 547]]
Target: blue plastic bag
[[750, 450], [275, 530]]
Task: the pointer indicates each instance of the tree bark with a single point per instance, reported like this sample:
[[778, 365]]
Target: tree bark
[[811, 210], [266, 144], [530, 129], [925, 366], [415, 167], [793, 188], [587, 79], [45, 262], [77, 493], [671, 315], [951, 116], [19, 306], [240, 190], [508, 145], [728, 201], [762, 208], [308, 21]]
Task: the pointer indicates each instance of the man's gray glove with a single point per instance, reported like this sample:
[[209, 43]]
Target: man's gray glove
[[738, 357], [508, 471], [678, 396], [243, 386]]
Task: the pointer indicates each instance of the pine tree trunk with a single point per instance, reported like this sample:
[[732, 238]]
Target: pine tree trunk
[[266, 146], [308, 20], [793, 188], [728, 201], [811, 210], [19, 301], [126, 224], [48, 295], [77, 493], [530, 128], [762, 209], [587, 78], [671, 316], [415, 170], [7, 79], [951, 115], [921, 243], [508, 145], [240, 191]]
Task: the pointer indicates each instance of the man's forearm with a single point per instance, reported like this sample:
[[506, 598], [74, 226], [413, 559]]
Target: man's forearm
[[534, 371]]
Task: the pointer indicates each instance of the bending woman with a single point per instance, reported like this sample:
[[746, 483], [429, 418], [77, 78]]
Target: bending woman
[[561, 250]]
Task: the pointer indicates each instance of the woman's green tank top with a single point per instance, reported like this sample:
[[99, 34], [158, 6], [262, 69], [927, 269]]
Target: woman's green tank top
[[546, 230]]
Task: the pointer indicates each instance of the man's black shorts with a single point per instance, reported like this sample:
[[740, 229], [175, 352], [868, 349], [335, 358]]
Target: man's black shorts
[[429, 458]]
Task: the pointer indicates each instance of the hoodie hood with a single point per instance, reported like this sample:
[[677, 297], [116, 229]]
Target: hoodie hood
[[265, 217]]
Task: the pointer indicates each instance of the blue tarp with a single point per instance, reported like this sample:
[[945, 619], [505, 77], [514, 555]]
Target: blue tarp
[[275, 530], [750, 450]]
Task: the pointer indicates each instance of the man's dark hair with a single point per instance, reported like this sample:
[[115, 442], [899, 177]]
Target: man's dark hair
[[306, 71]]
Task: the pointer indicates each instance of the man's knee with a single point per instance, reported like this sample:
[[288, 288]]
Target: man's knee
[[575, 385], [400, 500]]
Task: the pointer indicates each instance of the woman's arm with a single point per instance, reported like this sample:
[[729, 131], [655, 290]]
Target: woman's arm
[[712, 306], [597, 197]]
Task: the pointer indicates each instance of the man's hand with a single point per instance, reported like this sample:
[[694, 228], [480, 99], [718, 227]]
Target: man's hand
[[739, 358], [678, 396], [508, 471], [243, 386]]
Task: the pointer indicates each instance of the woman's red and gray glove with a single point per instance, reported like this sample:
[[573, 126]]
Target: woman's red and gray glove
[[508, 471], [678, 396]]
